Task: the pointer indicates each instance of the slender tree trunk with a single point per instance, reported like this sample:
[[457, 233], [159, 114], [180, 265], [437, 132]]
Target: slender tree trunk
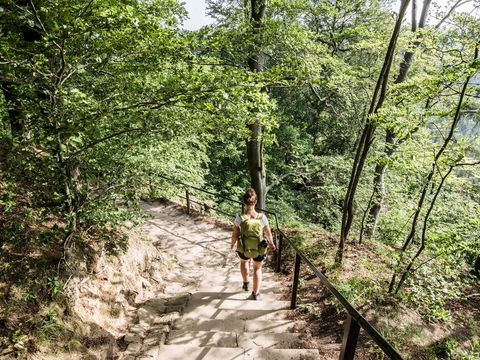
[[368, 135], [362, 227], [70, 173], [69, 167], [428, 181], [476, 266], [390, 148], [256, 164], [379, 187], [15, 114], [408, 269]]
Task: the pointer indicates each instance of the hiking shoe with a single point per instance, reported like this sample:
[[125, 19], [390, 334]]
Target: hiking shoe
[[254, 296], [245, 286]]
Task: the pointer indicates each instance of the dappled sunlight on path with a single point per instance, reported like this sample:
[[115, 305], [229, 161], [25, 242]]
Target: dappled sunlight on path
[[203, 312]]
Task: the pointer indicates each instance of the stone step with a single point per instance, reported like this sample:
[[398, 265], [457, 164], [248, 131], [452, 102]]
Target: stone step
[[270, 340], [236, 287], [211, 312], [233, 270], [202, 338], [238, 326], [281, 354], [205, 297], [233, 325], [218, 322], [266, 287], [269, 326], [182, 352], [240, 304], [231, 339], [234, 280]]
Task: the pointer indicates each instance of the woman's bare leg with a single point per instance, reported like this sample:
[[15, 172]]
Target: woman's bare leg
[[257, 276], [244, 269]]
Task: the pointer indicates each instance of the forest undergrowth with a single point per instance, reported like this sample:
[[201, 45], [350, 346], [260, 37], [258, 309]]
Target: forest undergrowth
[[39, 271], [418, 321]]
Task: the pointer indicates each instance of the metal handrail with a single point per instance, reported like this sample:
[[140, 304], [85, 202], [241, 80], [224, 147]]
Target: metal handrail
[[355, 320], [374, 334], [218, 196]]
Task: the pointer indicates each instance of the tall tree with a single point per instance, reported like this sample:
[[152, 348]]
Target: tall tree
[[368, 133], [256, 63], [391, 140], [90, 89], [428, 187], [391, 143]]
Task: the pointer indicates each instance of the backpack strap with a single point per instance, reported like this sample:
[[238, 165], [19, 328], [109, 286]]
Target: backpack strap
[[243, 217]]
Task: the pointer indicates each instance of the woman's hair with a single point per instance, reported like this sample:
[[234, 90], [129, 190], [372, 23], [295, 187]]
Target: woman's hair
[[250, 197]]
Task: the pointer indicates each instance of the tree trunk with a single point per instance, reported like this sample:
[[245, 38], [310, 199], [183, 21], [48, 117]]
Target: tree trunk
[[256, 164], [408, 270], [476, 266], [368, 133], [426, 186], [15, 114], [390, 148], [379, 187], [377, 200]]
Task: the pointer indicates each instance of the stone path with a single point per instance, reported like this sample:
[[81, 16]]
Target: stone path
[[203, 312]]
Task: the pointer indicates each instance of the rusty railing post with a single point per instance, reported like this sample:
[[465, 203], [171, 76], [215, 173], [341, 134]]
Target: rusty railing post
[[296, 275], [187, 197], [350, 337]]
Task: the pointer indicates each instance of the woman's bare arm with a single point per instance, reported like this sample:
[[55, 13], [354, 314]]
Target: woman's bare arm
[[268, 234], [235, 235]]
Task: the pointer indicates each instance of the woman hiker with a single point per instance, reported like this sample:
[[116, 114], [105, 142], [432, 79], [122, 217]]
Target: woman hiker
[[248, 240]]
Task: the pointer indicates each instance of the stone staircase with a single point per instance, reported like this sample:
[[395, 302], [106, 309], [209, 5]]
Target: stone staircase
[[219, 323], [216, 320]]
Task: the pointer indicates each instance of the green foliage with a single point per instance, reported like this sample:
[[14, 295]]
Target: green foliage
[[55, 287], [444, 348], [100, 100], [361, 292], [471, 354], [19, 341], [50, 328]]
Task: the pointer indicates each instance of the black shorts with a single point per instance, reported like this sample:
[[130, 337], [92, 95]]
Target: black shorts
[[259, 258]]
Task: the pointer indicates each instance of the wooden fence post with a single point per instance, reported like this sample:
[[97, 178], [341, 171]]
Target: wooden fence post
[[350, 337], [279, 251], [296, 275], [187, 197]]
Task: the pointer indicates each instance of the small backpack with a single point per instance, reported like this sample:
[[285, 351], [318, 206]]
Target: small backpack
[[251, 236]]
